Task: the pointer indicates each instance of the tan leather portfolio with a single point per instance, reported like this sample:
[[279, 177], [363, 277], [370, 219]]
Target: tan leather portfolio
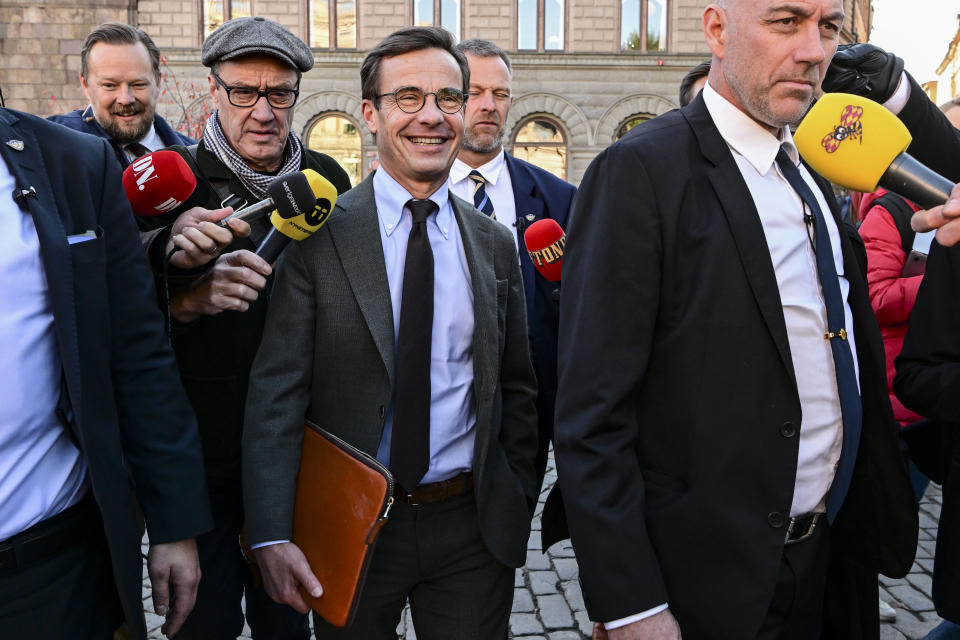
[[343, 498]]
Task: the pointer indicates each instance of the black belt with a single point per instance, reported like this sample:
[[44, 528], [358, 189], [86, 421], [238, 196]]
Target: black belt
[[49, 537], [801, 527], [436, 491]]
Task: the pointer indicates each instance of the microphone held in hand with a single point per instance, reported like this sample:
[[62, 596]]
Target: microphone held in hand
[[159, 182], [545, 241], [303, 201], [860, 145]]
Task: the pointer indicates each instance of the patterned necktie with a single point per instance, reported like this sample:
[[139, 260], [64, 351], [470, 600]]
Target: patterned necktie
[[480, 199], [847, 387], [410, 439], [137, 149]]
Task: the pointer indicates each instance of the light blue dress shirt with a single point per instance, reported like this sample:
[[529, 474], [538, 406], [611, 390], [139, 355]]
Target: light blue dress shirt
[[453, 412], [41, 470]]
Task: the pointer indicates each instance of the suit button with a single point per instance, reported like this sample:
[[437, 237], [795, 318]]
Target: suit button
[[775, 519], [382, 411], [788, 429]]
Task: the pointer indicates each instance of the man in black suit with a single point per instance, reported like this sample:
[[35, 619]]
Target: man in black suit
[[516, 194], [722, 417], [93, 418], [400, 327]]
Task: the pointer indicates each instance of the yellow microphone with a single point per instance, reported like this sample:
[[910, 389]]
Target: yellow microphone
[[303, 201], [859, 144]]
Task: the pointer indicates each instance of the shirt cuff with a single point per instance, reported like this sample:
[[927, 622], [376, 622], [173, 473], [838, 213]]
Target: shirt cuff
[[637, 617], [898, 100], [266, 544]]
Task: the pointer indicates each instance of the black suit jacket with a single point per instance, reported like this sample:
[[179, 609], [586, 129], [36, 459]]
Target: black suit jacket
[[130, 417], [539, 194], [677, 408], [928, 368]]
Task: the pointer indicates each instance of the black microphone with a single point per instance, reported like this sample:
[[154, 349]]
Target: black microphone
[[301, 202]]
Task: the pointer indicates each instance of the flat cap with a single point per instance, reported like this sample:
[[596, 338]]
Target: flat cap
[[256, 35]]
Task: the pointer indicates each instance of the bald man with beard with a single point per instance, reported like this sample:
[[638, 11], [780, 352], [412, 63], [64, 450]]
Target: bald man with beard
[[722, 424]]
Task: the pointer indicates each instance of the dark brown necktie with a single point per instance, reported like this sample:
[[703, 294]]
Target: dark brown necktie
[[137, 149], [410, 439]]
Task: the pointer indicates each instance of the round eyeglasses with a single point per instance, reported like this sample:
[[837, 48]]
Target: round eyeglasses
[[412, 99], [247, 97]]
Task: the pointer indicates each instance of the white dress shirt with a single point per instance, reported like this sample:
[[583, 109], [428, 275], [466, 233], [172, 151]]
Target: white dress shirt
[[499, 188], [794, 263], [41, 470]]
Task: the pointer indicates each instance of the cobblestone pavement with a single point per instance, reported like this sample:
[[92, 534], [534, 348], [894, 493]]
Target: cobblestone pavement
[[548, 605]]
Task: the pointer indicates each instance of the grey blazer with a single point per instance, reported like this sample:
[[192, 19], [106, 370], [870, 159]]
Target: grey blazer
[[328, 355]]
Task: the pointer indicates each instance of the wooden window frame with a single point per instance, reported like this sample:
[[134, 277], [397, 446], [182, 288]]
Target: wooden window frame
[[332, 26], [227, 15], [437, 16], [541, 27], [644, 4]]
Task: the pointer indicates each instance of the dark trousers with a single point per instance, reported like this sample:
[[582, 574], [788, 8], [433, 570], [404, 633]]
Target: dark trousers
[[225, 578], [434, 556], [796, 610], [67, 595]]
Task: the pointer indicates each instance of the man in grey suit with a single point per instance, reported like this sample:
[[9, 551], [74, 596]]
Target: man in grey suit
[[401, 327]]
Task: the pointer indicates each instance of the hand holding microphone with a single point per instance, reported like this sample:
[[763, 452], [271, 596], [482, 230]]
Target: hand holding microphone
[[860, 145], [201, 239]]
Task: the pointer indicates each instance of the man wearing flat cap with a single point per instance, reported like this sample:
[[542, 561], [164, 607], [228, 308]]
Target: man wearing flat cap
[[219, 288]]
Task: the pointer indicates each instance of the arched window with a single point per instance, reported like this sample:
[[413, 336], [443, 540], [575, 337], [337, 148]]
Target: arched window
[[540, 25], [438, 13], [643, 25], [630, 123], [337, 136], [216, 12], [333, 24], [541, 142]]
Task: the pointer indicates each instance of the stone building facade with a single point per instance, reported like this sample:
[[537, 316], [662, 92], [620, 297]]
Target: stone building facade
[[584, 70]]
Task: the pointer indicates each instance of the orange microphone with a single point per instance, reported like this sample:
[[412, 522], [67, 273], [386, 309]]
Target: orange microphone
[[861, 145], [545, 241]]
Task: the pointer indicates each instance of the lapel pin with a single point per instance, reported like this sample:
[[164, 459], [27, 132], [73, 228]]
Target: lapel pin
[[16, 145], [530, 217]]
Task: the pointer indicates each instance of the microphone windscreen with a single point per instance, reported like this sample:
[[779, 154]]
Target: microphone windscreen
[[158, 183], [545, 241], [851, 140], [303, 201]]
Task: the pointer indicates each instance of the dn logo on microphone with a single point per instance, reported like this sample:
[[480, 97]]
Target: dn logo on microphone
[[849, 127], [319, 214], [550, 253], [144, 171]]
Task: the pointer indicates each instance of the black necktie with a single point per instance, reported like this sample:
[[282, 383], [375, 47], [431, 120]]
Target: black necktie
[[847, 388], [480, 199], [137, 149], [410, 439]]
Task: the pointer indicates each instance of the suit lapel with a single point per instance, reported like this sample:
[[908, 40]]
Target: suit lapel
[[28, 170], [737, 205], [356, 237], [478, 249], [529, 210]]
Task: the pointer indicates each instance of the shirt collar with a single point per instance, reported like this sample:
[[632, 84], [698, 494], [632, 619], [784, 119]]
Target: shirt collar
[[490, 171], [745, 136], [391, 199]]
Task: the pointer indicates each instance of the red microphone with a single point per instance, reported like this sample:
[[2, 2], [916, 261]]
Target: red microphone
[[158, 183], [545, 241]]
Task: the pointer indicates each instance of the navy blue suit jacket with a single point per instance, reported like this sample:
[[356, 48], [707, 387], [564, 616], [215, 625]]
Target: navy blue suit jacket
[[128, 412], [539, 194], [83, 120]]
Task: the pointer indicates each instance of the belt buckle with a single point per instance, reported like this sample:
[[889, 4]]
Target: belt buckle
[[806, 534]]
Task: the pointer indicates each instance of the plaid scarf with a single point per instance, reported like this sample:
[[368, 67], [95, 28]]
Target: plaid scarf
[[215, 141]]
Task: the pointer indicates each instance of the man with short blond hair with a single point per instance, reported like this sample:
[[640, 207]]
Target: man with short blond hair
[[120, 76]]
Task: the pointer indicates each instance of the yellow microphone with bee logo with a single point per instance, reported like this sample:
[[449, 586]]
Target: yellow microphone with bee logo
[[859, 144], [303, 201]]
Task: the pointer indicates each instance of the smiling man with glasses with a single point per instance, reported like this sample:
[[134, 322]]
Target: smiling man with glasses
[[409, 322], [219, 290]]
